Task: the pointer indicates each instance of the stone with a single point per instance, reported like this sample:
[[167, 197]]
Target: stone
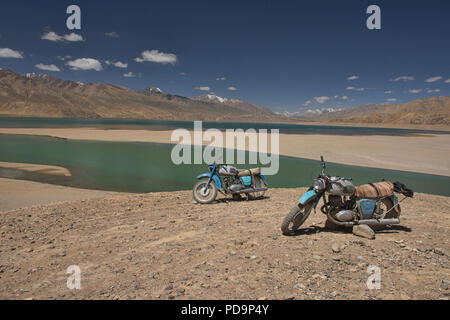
[[169, 287], [299, 286], [335, 247], [364, 231], [445, 284], [181, 290]]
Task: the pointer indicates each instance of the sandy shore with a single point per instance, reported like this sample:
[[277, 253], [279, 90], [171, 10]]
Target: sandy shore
[[19, 193], [162, 246], [427, 153]]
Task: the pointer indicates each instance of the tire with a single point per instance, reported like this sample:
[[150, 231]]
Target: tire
[[295, 218], [204, 196], [258, 183]]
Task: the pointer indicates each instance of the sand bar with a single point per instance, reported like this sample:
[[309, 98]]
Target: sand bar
[[38, 168], [19, 193], [426, 153]]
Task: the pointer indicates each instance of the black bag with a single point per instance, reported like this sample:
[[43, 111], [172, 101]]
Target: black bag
[[401, 188]]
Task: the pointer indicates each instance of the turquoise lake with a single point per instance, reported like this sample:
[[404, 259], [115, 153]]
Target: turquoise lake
[[147, 167]]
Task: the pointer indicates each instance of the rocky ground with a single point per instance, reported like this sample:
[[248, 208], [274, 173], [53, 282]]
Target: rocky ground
[[162, 246]]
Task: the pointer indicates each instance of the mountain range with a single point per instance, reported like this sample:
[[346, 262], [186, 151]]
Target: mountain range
[[427, 111], [42, 95]]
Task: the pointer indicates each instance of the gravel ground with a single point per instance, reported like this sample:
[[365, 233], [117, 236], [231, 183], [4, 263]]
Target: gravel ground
[[163, 246]]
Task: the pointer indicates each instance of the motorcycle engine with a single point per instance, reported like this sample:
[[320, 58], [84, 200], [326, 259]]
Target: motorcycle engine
[[344, 215], [236, 187], [339, 209], [233, 184]]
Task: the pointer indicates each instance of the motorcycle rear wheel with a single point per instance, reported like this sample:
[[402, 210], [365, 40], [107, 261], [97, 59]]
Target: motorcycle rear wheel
[[204, 194], [295, 218], [258, 183], [387, 205]]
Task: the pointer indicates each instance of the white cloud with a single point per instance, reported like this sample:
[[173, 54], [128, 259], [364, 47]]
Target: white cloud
[[392, 99], [203, 88], [47, 67], [232, 88], [157, 57], [447, 81], [307, 103], [53, 36], [388, 91], [85, 64], [221, 79], [403, 78], [415, 90], [112, 34], [119, 64], [353, 77], [10, 53], [182, 73], [433, 90], [73, 37], [433, 79], [355, 89], [344, 97], [322, 99], [62, 58], [129, 75]]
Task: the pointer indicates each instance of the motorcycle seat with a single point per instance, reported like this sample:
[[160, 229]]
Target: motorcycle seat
[[375, 190], [249, 172]]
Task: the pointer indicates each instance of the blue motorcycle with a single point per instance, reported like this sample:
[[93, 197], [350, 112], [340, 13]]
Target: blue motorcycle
[[373, 204], [229, 181]]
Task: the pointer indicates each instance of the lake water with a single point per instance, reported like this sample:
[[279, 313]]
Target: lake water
[[147, 167]]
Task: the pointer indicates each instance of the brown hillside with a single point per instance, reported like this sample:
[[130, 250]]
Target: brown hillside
[[41, 95]]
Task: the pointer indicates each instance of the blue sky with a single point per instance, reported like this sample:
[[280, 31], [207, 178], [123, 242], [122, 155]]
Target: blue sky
[[286, 55]]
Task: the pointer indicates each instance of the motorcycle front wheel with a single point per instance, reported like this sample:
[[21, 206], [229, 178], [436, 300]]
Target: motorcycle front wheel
[[204, 193], [295, 218]]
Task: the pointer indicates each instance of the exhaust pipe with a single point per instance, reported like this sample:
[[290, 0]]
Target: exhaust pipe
[[381, 222], [250, 190], [370, 222]]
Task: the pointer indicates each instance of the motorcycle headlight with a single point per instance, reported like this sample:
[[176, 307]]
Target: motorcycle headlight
[[318, 185]]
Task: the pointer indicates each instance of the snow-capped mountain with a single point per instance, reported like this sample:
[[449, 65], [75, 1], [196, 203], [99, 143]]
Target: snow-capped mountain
[[235, 103], [310, 113]]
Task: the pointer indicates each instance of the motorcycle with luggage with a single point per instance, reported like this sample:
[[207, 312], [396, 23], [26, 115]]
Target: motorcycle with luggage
[[346, 205]]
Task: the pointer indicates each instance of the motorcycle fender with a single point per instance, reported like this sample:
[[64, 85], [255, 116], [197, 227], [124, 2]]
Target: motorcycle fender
[[264, 179], [204, 175], [214, 178], [395, 202], [307, 197]]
